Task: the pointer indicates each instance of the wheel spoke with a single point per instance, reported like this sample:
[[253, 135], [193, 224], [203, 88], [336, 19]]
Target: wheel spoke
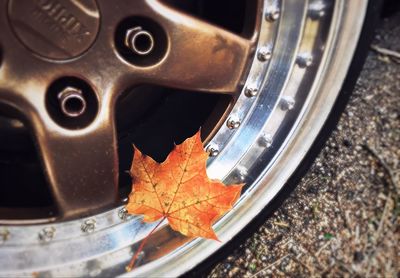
[[201, 57], [81, 166], [80, 160], [81, 169]]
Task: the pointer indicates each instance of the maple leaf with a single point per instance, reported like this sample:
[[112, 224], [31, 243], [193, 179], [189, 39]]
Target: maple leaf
[[180, 191]]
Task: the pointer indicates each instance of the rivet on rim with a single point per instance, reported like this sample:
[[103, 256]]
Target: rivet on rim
[[241, 173], [265, 140], [123, 214], [304, 60], [264, 53], [47, 234], [88, 226], [272, 13], [287, 103], [317, 10], [233, 122], [251, 91], [212, 150], [4, 235]]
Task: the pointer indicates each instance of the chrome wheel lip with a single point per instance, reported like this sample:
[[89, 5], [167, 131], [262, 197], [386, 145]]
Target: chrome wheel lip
[[114, 232]]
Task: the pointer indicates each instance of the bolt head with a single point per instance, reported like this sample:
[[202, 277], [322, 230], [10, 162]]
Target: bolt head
[[304, 60], [272, 14], [47, 234], [265, 141], [287, 103], [212, 150], [317, 10], [251, 91], [241, 173], [233, 123], [264, 54], [88, 226], [123, 214]]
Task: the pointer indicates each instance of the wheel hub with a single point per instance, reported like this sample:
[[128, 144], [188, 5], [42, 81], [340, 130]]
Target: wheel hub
[[55, 29]]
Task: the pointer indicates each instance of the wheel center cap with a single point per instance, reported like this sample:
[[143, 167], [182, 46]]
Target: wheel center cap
[[55, 29]]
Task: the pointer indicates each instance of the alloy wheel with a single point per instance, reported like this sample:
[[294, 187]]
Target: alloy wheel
[[71, 71]]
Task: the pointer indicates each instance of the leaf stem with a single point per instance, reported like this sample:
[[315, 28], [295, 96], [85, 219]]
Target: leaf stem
[[136, 255]]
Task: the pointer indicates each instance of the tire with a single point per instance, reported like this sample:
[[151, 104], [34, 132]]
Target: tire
[[300, 74]]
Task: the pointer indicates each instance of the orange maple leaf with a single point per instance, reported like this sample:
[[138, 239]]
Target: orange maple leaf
[[180, 191]]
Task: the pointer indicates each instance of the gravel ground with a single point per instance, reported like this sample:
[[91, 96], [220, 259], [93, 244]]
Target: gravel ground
[[343, 219]]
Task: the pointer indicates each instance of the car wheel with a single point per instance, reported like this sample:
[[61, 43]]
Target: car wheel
[[81, 81]]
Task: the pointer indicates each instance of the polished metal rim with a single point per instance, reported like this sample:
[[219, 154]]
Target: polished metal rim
[[304, 49]]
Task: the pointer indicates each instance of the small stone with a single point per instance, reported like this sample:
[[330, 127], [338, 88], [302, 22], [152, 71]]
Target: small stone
[[234, 271]]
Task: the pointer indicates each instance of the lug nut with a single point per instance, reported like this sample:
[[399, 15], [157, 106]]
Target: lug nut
[[72, 102], [140, 41]]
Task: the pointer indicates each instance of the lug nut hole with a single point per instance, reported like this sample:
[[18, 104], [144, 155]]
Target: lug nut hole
[[71, 102]]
